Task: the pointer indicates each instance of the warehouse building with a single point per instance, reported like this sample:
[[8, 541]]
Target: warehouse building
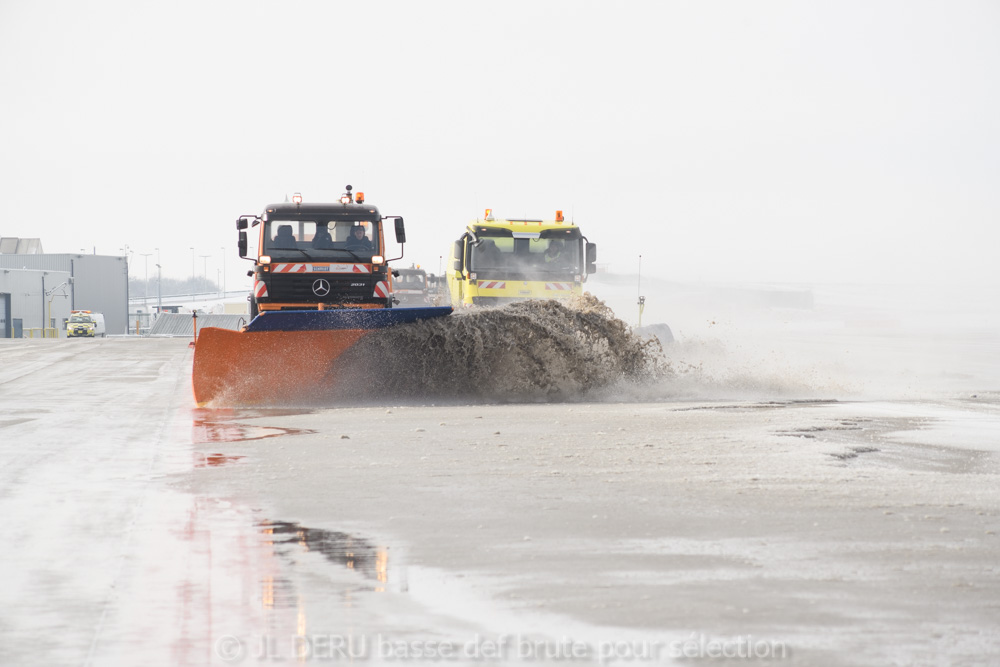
[[33, 300], [39, 290]]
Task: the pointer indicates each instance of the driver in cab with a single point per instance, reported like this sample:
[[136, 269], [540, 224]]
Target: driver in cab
[[357, 240], [554, 255]]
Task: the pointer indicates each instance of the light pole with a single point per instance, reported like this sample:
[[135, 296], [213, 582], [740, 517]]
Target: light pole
[[48, 323], [145, 287], [204, 270], [159, 282], [128, 254], [159, 296], [223, 271], [642, 299], [192, 269]]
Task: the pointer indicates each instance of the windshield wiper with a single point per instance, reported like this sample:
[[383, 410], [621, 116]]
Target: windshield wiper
[[297, 249], [351, 253]]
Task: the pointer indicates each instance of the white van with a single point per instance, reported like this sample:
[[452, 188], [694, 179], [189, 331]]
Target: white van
[[85, 323]]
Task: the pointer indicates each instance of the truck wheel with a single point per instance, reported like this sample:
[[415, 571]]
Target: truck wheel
[[253, 308]]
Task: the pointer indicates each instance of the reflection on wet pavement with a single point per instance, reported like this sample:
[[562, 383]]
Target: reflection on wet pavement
[[278, 593], [344, 549], [218, 425], [214, 426], [202, 460]]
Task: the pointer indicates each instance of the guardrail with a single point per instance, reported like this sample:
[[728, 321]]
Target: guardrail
[[43, 332], [175, 299]]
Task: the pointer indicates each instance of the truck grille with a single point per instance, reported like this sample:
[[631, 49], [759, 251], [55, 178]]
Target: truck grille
[[292, 287]]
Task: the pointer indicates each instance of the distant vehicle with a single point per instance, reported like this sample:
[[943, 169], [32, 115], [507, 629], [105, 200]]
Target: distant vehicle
[[410, 287], [498, 261], [84, 323]]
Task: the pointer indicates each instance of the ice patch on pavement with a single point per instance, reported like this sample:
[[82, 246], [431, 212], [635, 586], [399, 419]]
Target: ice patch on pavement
[[971, 425]]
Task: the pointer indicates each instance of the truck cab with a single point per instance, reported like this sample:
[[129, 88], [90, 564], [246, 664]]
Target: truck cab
[[318, 256], [410, 287], [498, 261]]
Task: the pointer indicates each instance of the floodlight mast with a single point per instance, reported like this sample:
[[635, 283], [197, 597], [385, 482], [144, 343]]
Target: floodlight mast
[[642, 299]]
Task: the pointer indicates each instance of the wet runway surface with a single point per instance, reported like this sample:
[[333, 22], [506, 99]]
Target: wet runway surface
[[816, 530]]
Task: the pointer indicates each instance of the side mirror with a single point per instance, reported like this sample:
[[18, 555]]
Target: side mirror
[[400, 231], [591, 258], [241, 223], [243, 243]]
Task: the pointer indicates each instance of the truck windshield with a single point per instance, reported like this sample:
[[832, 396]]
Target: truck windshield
[[525, 257], [324, 240], [411, 280]]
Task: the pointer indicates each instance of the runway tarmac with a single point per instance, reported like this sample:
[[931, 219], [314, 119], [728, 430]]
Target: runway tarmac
[[819, 516]]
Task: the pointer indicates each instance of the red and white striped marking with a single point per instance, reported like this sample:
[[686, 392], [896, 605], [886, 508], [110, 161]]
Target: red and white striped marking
[[259, 289], [559, 287], [492, 284], [320, 268], [382, 289], [289, 268]]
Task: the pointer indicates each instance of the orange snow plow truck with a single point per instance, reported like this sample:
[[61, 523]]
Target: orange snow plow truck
[[320, 282]]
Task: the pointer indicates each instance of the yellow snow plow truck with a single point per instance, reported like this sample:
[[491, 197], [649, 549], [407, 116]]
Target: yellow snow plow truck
[[498, 261]]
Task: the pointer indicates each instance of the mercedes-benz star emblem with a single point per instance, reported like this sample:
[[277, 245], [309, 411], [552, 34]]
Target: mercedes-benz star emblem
[[321, 287]]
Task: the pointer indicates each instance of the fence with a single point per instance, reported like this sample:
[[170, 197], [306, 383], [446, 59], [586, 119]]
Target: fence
[[40, 332]]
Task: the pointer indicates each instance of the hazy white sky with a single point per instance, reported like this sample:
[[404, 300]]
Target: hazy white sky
[[724, 141]]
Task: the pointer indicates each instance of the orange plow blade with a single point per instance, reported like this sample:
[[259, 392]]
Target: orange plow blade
[[284, 357], [235, 367]]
